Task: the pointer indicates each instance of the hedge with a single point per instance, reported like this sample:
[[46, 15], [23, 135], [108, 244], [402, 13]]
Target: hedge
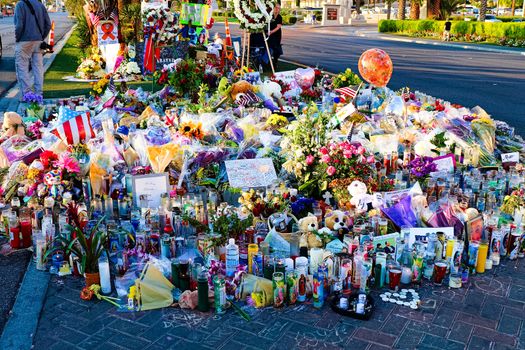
[[484, 31]]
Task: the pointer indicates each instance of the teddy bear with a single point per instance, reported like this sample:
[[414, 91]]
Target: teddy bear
[[337, 222], [361, 199], [240, 87], [270, 92], [12, 125], [309, 226]]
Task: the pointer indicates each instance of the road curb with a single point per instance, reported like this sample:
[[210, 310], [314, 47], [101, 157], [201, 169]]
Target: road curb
[[21, 326], [438, 43]]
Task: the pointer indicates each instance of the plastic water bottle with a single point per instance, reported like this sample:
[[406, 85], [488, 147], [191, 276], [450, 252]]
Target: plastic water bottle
[[105, 277], [232, 258]]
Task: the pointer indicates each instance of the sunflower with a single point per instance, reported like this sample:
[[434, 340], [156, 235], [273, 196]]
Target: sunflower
[[191, 129]]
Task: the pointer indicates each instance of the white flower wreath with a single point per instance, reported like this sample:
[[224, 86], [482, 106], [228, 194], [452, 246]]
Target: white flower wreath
[[253, 17]]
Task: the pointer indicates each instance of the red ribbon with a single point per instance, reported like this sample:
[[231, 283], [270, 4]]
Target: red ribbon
[[107, 30]]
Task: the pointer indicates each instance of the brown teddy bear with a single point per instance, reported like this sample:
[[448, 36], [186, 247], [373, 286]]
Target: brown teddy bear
[[12, 125], [240, 87]]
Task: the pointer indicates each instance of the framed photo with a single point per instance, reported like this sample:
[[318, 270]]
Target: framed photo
[[151, 185], [420, 234], [386, 243], [475, 228]]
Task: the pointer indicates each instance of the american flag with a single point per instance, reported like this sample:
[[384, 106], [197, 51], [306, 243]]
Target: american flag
[[75, 130], [346, 92], [111, 85]]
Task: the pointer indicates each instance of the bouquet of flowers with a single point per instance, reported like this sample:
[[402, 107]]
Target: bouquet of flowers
[[35, 110], [161, 24], [345, 79], [263, 206], [485, 130], [92, 67], [421, 167]]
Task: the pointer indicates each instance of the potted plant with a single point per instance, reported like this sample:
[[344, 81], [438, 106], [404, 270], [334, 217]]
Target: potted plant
[[87, 245]]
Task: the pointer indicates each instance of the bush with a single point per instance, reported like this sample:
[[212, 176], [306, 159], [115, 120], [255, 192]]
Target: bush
[[513, 32], [289, 20]]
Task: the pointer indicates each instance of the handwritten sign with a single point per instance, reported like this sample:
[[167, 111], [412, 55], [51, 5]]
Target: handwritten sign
[[345, 112], [513, 157], [286, 76], [249, 173], [152, 186]]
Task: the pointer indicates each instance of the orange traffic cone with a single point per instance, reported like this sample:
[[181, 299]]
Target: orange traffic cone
[[228, 40], [52, 34]]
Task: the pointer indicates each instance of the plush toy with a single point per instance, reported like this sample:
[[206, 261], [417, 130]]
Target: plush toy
[[361, 199], [337, 222], [270, 92], [420, 207], [240, 87], [12, 125], [309, 226]]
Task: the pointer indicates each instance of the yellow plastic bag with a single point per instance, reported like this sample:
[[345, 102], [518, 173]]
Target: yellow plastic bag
[[153, 289]]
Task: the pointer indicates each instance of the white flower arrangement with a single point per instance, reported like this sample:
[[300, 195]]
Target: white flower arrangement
[[254, 19]]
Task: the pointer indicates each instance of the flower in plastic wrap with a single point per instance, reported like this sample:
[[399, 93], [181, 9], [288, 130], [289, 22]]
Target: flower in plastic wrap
[[485, 130], [395, 106], [157, 132], [424, 148], [161, 155]]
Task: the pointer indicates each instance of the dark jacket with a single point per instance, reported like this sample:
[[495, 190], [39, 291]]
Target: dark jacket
[[25, 24]]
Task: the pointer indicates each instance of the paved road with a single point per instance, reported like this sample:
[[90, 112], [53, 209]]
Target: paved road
[[485, 314], [7, 32], [495, 81]]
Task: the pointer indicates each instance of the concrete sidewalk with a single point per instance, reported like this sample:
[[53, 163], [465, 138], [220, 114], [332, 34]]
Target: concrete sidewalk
[[10, 100]]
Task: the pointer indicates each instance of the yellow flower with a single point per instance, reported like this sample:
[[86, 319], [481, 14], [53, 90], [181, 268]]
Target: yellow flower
[[343, 78]]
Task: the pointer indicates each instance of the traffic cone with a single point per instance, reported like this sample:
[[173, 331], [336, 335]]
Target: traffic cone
[[52, 35], [228, 40]]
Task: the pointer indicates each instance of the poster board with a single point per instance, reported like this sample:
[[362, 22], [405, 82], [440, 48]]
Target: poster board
[[152, 185], [250, 173]]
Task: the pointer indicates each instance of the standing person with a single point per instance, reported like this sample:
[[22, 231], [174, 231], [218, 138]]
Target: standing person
[[274, 41], [446, 32], [32, 25]]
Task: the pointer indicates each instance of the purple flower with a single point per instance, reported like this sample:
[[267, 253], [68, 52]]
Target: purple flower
[[422, 166], [31, 97]]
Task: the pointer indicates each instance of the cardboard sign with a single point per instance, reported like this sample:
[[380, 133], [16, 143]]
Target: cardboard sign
[[250, 173], [513, 157], [152, 186], [345, 112], [107, 32]]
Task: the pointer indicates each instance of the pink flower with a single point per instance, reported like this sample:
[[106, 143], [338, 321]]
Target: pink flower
[[361, 150], [325, 158], [323, 150], [65, 162], [347, 154], [330, 171], [371, 159], [310, 159]]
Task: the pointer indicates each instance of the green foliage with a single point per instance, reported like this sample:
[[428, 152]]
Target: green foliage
[[448, 7], [289, 20], [74, 7], [230, 226], [83, 32], [131, 22], [508, 3], [490, 32]]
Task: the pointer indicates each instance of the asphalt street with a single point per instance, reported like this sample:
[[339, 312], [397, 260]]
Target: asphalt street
[[492, 80], [7, 33]]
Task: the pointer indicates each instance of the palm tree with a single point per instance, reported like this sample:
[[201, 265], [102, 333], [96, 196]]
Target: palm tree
[[415, 6], [448, 7], [388, 8], [482, 10], [434, 9], [401, 9]]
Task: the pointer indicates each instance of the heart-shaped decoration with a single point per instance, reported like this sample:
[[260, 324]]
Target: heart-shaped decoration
[[405, 297], [304, 77]]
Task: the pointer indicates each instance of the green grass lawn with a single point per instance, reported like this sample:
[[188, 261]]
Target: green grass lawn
[[65, 64], [67, 61]]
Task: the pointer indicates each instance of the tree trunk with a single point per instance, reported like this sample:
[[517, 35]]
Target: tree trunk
[[401, 9], [388, 9], [358, 6], [434, 9], [482, 10], [513, 8], [414, 9]]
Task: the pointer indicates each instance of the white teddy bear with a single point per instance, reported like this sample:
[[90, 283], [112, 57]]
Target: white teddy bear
[[360, 197]]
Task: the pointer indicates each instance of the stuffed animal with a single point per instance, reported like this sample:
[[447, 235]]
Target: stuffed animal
[[420, 207], [12, 125], [309, 226], [240, 87], [337, 222], [361, 199]]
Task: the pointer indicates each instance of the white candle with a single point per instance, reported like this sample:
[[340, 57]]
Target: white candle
[[406, 275], [316, 257]]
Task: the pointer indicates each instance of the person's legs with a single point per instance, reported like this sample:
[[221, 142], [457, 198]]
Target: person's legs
[[37, 63], [23, 52]]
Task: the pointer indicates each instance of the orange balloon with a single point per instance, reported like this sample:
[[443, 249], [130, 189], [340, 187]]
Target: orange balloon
[[375, 66]]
